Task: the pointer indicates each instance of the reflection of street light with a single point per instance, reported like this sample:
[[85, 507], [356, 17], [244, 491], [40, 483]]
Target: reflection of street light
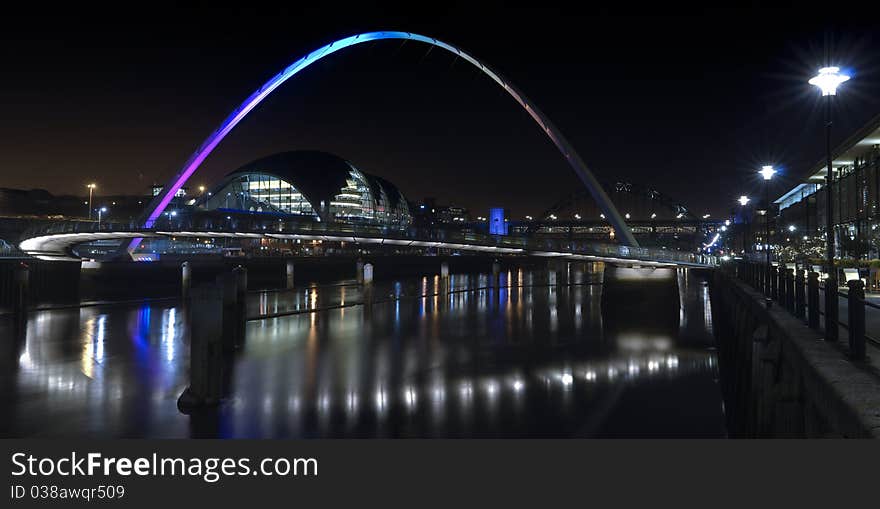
[[91, 188], [828, 79], [767, 172]]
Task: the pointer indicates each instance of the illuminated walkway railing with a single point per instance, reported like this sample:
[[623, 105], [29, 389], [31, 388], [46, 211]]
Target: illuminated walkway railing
[[80, 232]]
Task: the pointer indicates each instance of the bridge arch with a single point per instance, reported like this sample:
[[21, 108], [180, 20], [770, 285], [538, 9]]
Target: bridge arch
[[161, 201]]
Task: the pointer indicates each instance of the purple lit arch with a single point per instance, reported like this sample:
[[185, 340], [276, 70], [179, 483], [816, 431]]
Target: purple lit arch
[[160, 202]]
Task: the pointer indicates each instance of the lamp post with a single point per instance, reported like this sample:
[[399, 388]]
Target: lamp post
[[828, 79], [91, 187], [767, 173], [743, 201], [101, 211]]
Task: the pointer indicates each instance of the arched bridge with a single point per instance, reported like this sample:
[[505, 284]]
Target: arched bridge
[[161, 201], [57, 241]]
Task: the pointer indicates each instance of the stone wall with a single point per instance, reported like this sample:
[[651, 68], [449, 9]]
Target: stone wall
[[780, 378]]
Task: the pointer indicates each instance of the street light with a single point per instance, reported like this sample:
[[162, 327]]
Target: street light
[[828, 79], [91, 187], [101, 211], [743, 201], [767, 172]]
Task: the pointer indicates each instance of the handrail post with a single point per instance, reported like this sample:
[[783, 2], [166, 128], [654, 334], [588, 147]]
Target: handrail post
[[813, 299], [772, 287], [799, 295], [780, 286], [789, 290], [831, 322], [856, 308]]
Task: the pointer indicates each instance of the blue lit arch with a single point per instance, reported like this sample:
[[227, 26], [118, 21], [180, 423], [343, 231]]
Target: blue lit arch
[[160, 202]]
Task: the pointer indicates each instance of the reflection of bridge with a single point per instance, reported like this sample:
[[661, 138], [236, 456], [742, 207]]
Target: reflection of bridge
[[57, 241]]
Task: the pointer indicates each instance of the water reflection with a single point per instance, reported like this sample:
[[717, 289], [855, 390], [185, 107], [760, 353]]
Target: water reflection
[[520, 355]]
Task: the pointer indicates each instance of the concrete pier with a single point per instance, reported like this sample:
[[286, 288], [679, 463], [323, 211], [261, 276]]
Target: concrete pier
[[206, 350], [288, 274], [366, 277]]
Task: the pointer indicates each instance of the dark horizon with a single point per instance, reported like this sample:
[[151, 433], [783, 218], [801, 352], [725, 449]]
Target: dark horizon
[[691, 104]]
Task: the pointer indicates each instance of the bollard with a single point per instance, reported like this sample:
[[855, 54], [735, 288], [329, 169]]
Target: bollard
[[774, 292], [288, 273], [444, 269], [799, 295], [206, 351], [789, 290], [856, 311], [359, 269], [185, 280], [831, 312], [813, 299], [780, 285]]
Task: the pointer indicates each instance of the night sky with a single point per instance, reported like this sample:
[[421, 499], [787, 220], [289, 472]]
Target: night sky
[[690, 102]]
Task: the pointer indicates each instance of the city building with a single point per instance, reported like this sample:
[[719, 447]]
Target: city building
[[315, 186], [498, 221], [801, 218], [429, 213]]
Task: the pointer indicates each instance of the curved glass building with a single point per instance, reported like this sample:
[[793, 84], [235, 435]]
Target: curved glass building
[[313, 185]]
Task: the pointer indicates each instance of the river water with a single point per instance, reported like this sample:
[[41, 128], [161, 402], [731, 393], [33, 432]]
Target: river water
[[517, 357]]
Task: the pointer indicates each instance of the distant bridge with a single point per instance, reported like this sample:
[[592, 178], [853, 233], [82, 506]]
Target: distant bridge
[[57, 241]]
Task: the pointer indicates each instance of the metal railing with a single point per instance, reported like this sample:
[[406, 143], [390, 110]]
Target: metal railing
[[798, 291], [9, 251], [280, 227]]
